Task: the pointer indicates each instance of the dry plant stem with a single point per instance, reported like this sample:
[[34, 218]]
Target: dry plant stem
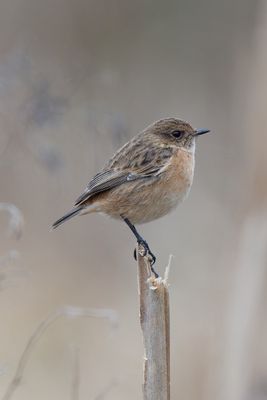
[[75, 387], [154, 318], [67, 311]]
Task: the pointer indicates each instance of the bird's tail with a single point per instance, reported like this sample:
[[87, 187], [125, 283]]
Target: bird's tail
[[66, 217]]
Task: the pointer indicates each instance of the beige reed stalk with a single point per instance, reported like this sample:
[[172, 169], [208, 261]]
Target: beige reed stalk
[[155, 324]]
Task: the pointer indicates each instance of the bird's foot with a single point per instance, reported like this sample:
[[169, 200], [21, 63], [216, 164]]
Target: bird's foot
[[147, 252]]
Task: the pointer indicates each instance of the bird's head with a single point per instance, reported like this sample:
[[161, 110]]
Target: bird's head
[[176, 132]]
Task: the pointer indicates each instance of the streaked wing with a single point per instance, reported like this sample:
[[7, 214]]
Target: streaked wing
[[142, 166], [107, 180], [101, 182]]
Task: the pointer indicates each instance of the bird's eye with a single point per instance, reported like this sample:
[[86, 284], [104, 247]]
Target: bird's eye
[[177, 134]]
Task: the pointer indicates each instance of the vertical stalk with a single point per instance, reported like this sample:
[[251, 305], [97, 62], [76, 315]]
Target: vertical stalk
[[155, 324]]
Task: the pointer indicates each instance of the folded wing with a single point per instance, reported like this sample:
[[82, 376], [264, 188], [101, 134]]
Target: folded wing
[[116, 176]]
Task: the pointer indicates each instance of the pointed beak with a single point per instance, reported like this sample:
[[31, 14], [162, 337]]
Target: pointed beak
[[199, 132]]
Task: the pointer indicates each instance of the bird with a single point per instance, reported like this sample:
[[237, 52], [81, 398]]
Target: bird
[[145, 179]]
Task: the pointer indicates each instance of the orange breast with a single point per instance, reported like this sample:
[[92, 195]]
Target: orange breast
[[180, 172], [174, 183], [145, 200]]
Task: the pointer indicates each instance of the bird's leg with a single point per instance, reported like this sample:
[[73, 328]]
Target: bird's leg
[[141, 241]]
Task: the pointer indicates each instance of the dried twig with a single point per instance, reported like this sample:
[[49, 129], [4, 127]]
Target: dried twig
[[154, 318], [67, 311]]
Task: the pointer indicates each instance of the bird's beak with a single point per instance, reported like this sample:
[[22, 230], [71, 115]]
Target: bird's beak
[[199, 132]]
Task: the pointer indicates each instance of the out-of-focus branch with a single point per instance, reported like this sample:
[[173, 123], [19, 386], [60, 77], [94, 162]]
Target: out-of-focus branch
[[248, 287], [154, 318], [15, 228], [103, 394], [250, 270], [75, 387], [16, 221], [67, 311]]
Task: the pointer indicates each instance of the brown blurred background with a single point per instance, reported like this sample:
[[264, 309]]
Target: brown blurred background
[[78, 79]]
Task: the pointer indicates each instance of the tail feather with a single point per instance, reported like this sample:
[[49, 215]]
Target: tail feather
[[66, 217]]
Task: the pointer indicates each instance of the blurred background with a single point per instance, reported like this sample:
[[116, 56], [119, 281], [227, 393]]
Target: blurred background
[[77, 80]]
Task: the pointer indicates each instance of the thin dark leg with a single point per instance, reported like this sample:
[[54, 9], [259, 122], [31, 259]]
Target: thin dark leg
[[141, 241]]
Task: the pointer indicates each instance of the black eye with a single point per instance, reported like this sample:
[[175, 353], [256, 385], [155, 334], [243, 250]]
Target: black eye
[[177, 134]]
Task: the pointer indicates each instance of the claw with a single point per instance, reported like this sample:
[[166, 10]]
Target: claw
[[149, 253], [141, 241], [154, 272]]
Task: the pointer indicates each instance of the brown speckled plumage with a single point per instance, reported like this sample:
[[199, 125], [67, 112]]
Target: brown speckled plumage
[[146, 178], [156, 194]]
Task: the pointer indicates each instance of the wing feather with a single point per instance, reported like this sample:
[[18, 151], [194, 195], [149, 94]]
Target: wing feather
[[103, 181], [144, 166]]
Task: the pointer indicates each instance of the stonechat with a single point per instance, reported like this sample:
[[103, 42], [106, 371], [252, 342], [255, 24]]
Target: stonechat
[[145, 179]]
